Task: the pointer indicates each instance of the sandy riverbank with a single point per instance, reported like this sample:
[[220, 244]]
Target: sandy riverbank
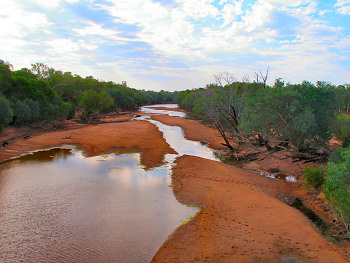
[[239, 222], [140, 136]]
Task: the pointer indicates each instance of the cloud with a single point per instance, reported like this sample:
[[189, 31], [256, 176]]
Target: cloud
[[230, 12], [52, 3], [17, 22], [177, 43], [343, 7], [66, 46], [97, 30]]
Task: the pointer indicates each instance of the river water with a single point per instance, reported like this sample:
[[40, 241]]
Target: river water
[[59, 206]]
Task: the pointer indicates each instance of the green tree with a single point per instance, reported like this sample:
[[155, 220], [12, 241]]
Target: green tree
[[6, 114], [94, 103], [341, 129], [6, 80], [301, 114], [22, 113], [337, 188]]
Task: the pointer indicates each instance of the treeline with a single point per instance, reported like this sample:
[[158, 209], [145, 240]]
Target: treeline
[[300, 115], [42, 93]]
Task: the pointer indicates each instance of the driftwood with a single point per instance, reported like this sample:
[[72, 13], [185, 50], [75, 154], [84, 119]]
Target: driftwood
[[310, 157]]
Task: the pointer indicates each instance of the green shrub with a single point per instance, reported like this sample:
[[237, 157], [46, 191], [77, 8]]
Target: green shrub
[[337, 187], [22, 113], [6, 114], [341, 129], [315, 176], [336, 156], [71, 111]]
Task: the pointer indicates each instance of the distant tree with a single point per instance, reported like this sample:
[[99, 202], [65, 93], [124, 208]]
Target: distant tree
[[6, 114], [22, 113], [42, 71], [6, 80], [300, 114], [341, 129], [94, 103], [279, 83], [34, 108]]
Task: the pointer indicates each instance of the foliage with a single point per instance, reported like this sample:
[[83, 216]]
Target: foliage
[[94, 103], [121, 99], [341, 129], [300, 114], [43, 93], [336, 156], [71, 111], [315, 176], [22, 113], [337, 187], [6, 113]]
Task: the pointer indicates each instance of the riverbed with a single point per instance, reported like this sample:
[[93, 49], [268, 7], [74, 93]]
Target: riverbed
[[240, 219], [61, 205]]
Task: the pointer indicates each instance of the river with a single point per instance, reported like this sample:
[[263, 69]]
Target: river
[[60, 206]]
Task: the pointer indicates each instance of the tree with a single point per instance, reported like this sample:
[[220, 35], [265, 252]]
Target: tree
[[94, 103], [337, 188], [6, 114], [299, 114], [6, 80], [22, 113], [42, 71]]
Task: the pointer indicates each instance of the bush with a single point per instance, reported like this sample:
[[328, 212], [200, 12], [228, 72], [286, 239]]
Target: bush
[[71, 111], [6, 114], [336, 156], [337, 188], [22, 113], [315, 176], [301, 114], [341, 129]]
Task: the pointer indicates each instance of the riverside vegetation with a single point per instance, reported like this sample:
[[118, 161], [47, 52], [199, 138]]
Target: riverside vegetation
[[299, 119]]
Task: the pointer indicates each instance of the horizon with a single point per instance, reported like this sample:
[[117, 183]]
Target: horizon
[[176, 44]]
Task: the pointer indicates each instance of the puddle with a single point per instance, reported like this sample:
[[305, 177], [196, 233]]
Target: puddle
[[58, 206], [279, 176]]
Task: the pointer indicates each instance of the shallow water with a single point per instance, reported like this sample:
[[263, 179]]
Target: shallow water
[[59, 206], [149, 109]]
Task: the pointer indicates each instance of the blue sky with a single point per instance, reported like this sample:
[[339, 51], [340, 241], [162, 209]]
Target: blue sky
[[180, 44]]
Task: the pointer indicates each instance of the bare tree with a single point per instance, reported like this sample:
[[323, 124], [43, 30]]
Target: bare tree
[[226, 111], [262, 78], [226, 77]]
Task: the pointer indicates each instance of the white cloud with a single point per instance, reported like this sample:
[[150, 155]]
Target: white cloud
[[64, 46], [93, 29], [17, 22], [343, 7], [343, 44], [230, 12], [219, 36], [52, 3]]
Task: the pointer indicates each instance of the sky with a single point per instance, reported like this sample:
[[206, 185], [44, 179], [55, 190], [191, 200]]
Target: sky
[[180, 44]]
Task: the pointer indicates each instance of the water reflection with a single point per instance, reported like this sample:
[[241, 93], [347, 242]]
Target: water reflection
[[74, 209], [151, 110], [175, 138]]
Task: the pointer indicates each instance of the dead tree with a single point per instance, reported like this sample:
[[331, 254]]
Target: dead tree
[[260, 78], [228, 107]]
